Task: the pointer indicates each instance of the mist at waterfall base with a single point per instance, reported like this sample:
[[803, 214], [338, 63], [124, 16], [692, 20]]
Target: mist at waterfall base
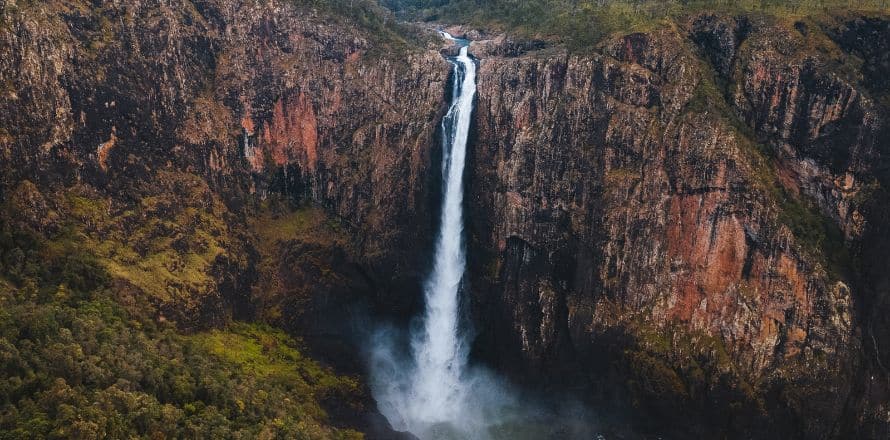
[[490, 407], [421, 377]]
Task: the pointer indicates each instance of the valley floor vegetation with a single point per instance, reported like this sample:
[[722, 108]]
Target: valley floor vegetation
[[77, 364]]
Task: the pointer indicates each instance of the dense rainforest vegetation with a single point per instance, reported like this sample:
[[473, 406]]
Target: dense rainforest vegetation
[[76, 364]]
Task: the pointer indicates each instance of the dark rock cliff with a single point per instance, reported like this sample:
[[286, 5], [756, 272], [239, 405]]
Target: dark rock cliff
[[681, 214], [252, 97], [687, 223]]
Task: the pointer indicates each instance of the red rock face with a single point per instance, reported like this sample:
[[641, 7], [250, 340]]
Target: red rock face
[[620, 207], [713, 252], [730, 289], [105, 148], [291, 136]]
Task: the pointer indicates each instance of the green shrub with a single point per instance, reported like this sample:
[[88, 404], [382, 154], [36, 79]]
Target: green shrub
[[76, 364], [70, 370]]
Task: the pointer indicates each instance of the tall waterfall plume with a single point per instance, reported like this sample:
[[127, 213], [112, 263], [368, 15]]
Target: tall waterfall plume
[[440, 353], [430, 389]]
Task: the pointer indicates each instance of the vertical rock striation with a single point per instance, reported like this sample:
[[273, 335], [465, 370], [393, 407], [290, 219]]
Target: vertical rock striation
[[254, 97], [682, 200]]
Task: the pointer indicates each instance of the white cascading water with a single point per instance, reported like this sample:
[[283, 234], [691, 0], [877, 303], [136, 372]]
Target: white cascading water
[[430, 390], [440, 354]]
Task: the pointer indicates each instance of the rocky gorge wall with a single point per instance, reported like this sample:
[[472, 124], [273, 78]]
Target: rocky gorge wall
[[172, 141], [252, 97], [688, 223], [675, 214]]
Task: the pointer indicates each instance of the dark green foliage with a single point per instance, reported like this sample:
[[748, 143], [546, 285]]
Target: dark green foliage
[[74, 364], [818, 233], [73, 369], [26, 266]]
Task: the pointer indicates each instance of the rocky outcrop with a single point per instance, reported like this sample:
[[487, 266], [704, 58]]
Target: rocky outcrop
[[621, 197], [251, 96], [719, 38]]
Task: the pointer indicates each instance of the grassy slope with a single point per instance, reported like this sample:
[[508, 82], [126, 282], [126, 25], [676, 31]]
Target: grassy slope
[[75, 363], [165, 245], [315, 235]]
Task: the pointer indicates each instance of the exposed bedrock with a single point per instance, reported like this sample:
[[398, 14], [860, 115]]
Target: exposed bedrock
[[677, 221]]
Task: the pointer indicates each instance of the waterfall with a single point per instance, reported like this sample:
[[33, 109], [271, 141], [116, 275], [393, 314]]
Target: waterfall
[[439, 352], [430, 391]]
